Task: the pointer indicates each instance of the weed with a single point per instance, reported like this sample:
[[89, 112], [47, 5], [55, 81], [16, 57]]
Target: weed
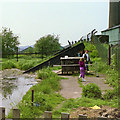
[[8, 65], [91, 90], [45, 96]]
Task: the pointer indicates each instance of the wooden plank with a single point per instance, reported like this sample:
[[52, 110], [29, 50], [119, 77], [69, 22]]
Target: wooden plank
[[65, 116], [2, 113], [16, 114], [73, 65], [48, 114], [70, 65], [82, 117], [56, 65], [101, 118], [70, 58]]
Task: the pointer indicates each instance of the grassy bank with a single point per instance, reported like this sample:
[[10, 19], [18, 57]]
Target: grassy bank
[[24, 62], [47, 98], [46, 95]]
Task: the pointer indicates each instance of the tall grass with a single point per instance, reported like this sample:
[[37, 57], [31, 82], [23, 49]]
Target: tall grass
[[45, 96], [102, 68], [22, 64]]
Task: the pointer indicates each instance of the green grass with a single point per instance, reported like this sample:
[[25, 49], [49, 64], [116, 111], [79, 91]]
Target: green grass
[[46, 97], [47, 92], [69, 104], [56, 68], [24, 62]]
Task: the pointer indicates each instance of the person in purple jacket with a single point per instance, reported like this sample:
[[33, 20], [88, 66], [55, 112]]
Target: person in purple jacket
[[82, 69]]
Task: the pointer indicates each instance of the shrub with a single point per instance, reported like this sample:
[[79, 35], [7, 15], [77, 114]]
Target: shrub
[[27, 66], [91, 90], [42, 74], [46, 89], [110, 94], [113, 60], [8, 65], [94, 54]]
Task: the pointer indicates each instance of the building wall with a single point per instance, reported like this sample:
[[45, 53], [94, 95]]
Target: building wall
[[114, 14], [114, 35]]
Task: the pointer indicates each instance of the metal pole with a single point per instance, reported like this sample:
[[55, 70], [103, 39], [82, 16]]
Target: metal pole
[[96, 69], [17, 54], [32, 97], [42, 52], [109, 55]]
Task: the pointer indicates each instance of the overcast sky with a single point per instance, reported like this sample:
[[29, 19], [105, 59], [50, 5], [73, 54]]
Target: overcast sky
[[70, 20]]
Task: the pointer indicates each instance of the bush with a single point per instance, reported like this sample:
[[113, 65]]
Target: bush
[[94, 54], [110, 94], [42, 74], [113, 61], [91, 90], [8, 65], [46, 89]]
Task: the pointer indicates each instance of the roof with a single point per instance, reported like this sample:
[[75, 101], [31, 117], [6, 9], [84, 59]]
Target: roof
[[118, 26]]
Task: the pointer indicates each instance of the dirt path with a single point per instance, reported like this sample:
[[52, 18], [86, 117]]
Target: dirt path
[[70, 88]]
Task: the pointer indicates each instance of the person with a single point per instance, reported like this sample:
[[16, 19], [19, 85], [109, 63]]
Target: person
[[82, 68], [87, 59], [80, 54]]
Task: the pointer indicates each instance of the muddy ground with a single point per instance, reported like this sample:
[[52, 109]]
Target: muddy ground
[[104, 111]]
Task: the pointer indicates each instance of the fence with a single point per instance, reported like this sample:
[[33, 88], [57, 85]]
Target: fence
[[19, 55], [110, 55], [115, 53], [48, 116], [103, 50]]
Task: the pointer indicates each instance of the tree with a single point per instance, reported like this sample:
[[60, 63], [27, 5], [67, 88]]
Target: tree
[[47, 45], [28, 50], [9, 42]]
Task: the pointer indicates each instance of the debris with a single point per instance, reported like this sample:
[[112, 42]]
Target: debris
[[95, 107]]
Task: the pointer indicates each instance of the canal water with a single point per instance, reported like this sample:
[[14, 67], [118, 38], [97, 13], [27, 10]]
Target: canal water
[[13, 89]]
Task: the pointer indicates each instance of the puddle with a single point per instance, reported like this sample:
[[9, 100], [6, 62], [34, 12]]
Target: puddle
[[13, 89]]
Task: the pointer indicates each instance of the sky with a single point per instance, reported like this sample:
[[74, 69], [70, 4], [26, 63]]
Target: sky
[[69, 19]]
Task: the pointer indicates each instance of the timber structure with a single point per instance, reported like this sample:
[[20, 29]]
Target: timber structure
[[71, 52]]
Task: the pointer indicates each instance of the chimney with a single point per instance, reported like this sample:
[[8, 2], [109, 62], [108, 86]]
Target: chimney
[[114, 13]]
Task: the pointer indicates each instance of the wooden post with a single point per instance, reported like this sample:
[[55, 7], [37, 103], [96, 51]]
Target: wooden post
[[42, 52], [109, 55], [47, 115], [2, 113], [101, 118], [49, 63], [17, 54], [65, 116], [82, 117], [96, 69], [16, 114], [32, 97]]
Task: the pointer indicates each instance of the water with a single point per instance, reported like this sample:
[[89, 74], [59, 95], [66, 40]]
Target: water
[[13, 89]]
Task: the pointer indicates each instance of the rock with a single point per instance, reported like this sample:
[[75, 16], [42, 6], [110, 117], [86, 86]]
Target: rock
[[115, 110], [105, 115], [84, 108], [100, 113], [104, 110]]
